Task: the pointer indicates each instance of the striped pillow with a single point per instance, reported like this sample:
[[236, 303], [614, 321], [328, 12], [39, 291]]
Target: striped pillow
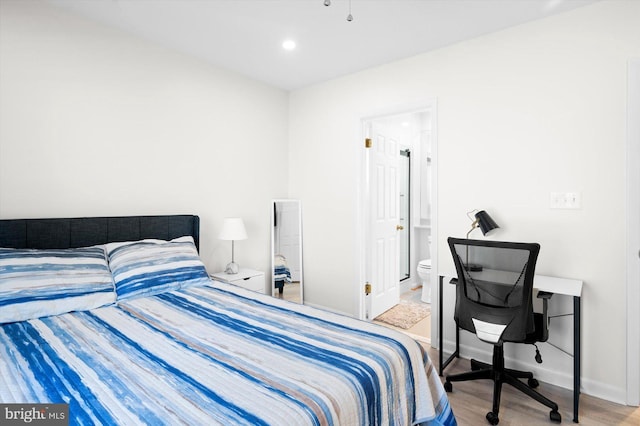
[[148, 267], [37, 283]]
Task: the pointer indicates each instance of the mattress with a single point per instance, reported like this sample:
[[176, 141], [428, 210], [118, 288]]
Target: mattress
[[218, 354]]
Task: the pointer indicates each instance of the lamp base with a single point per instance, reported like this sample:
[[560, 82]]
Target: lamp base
[[232, 268], [472, 267]]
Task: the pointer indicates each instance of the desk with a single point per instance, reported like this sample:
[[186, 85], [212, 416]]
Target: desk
[[562, 286]]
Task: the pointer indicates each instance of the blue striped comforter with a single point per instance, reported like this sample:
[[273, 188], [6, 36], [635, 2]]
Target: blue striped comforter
[[217, 354]]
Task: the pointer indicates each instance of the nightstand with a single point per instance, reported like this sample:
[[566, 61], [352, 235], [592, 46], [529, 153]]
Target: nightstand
[[245, 278]]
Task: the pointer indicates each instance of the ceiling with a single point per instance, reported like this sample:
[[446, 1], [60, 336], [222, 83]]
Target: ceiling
[[246, 35]]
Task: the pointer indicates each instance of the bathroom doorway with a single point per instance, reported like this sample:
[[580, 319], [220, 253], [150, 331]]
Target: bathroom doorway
[[404, 234], [413, 136]]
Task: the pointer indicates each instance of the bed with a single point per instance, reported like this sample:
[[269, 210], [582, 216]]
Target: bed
[[167, 345]]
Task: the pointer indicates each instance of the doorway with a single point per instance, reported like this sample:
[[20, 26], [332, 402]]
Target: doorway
[[404, 234], [400, 195]]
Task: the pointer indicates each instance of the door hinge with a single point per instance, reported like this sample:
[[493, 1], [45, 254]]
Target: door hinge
[[367, 289], [368, 143]]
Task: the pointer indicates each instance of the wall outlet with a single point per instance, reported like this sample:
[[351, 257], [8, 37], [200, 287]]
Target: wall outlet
[[565, 200]]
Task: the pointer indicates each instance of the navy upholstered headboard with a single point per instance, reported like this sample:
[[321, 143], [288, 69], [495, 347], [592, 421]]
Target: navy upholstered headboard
[[88, 231]]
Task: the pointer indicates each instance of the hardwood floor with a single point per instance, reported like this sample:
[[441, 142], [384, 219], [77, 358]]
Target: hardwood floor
[[291, 292], [472, 400]]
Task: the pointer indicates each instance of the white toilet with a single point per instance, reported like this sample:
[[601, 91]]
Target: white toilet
[[424, 272]]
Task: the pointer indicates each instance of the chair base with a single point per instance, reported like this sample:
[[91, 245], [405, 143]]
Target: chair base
[[531, 381], [499, 375]]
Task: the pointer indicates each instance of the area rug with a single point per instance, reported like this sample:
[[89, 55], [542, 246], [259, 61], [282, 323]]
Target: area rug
[[405, 314]]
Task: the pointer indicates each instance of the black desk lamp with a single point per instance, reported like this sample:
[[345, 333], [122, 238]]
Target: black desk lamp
[[483, 221], [486, 224]]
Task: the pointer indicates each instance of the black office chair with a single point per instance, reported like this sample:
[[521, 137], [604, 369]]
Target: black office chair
[[494, 293]]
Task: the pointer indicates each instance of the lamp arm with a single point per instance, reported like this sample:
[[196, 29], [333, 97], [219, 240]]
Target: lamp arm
[[470, 214], [474, 225]]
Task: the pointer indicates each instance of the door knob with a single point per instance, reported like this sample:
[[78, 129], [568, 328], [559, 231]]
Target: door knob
[[399, 227]]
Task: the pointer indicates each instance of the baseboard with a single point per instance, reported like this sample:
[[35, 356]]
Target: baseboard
[[604, 391], [545, 373], [420, 339]]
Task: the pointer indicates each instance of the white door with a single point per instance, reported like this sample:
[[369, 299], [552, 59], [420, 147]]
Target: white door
[[384, 204]]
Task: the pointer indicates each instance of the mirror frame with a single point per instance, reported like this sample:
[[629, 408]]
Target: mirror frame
[[273, 212]]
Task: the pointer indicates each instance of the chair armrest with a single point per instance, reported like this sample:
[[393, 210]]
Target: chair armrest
[[453, 281], [545, 295]]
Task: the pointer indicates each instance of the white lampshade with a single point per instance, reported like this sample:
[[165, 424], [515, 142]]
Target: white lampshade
[[233, 229]]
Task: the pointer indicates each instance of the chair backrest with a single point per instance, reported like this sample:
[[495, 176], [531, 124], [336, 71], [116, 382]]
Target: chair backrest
[[495, 287]]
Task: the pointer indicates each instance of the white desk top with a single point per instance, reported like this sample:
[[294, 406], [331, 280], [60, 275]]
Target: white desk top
[[565, 286]]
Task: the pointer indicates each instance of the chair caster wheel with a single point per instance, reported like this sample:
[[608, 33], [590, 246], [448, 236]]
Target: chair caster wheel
[[533, 383], [492, 418], [554, 416], [448, 386]]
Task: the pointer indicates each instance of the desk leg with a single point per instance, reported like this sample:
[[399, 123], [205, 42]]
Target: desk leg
[[440, 338], [441, 361], [457, 353], [576, 357]]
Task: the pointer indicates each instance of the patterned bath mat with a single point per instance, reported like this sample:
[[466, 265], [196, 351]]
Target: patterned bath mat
[[405, 314]]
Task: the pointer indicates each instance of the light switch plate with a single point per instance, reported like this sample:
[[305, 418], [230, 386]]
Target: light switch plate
[[565, 200]]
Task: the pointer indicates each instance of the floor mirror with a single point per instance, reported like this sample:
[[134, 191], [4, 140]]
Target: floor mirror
[[286, 250]]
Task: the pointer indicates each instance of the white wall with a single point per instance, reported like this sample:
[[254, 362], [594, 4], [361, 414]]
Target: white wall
[[521, 113], [96, 122]]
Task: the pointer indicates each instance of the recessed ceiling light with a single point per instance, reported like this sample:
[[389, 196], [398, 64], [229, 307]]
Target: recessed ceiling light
[[288, 45]]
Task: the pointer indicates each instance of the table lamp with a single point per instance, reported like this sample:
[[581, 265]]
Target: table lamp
[[483, 221], [233, 229], [486, 224]]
